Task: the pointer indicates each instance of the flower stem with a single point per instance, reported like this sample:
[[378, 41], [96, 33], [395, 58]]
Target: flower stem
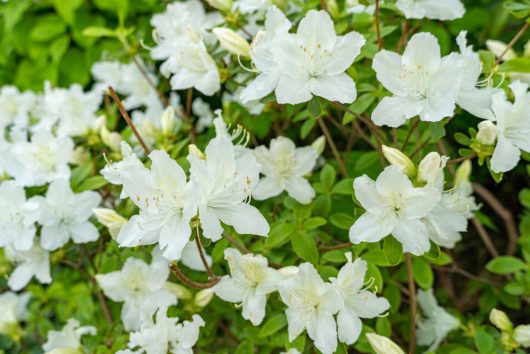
[[211, 275], [378, 26], [512, 42], [333, 147], [192, 284], [412, 304]]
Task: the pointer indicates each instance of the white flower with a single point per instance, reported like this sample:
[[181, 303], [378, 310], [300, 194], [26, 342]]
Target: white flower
[[15, 107], [393, 206], [383, 345], [140, 287], [487, 132], [166, 208], [437, 322], [521, 335], [222, 185], [39, 161], [18, 217], [179, 33], [433, 9], [423, 83], [357, 302], [513, 122], [64, 215], [354, 7], [32, 263], [314, 60], [166, 335], [202, 110], [284, 166], [13, 309], [69, 337], [249, 6], [114, 172], [311, 304], [474, 100], [249, 283], [261, 53]]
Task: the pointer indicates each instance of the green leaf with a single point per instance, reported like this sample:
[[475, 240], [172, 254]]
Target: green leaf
[[307, 127], [505, 265], [91, 184], [47, 28], [423, 274], [327, 177], [342, 221], [483, 341], [279, 234], [314, 222], [314, 107], [305, 247], [98, 32], [66, 9], [334, 256], [273, 325], [462, 139], [437, 130], [517, 65], [343, 187], [519, 9], [393, 250]]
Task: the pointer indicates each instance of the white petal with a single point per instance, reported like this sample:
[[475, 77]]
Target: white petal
[[392, 180], [413, 236], [369, 305], [245, 219], [369, 228], [506, 155], [346, 49], [293, 90], [299, 189], [422, 51], [84, 232], [316, 29], [387, 66], [54, 236], [295, 324], [254, 308], [394, 111], [211, 226], [266, 188], [323, 331], [349, 326], [227, 290], [420, 201], [366, 193], [340, 88], [260, 87]]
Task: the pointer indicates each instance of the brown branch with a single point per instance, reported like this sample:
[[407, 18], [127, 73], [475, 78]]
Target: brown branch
[[485, 237], [331, 143], [324, 5], [192, 284], [462, 159], [239, 245], [409, 133], [127, 118], [512, 42], [337, 247], [503, 213], [378, 26], [412, 304], [211, 275]]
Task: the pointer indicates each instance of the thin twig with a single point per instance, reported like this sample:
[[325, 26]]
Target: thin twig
[[420, 147], [324, 5], [409, 133], [462, 159], [512, 42], [503, 213], [239, 245], [331, 143], [127, 118], [485, 237], [412, 304], [377, 26], [337, 247], [211, 275], [193, 284]]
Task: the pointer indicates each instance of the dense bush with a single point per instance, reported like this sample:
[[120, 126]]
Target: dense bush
[[264, 176]]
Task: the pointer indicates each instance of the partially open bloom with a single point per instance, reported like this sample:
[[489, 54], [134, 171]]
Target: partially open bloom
[[383, 345], [358, 302], [284, 166], [393, 206], [311, 305], [166, 335], [422, 82], [140, 287], [64, 215], [69, 337], [249, 283], [436, 323], [433, 9]]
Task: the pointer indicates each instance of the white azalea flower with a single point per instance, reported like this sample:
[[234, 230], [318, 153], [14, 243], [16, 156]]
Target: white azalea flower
[[284, 166], [433, 9], [163, 196], [354, 7], [472, 99], [249, 6], [69, 337], [521, 334], [39, 161], [311, 304], [313, 61], [249, 282], [13, 309], [64, 215], [222, 185], [114, 172], [166, 335], [357, 302], [140, 287], [18, 217], [393, 206], [513, 123], [34, 262], [261, 53], [421, 81], [15, 107], [437, 322]]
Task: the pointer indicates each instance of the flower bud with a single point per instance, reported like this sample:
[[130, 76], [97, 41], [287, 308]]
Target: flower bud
[[232, 42], [223, 5], [498, 48], [319, 145], [110, 219], [399, 159], [522, 335], [64, 351], [181, 292], [203, 297], [168, 120], [487, 132], [463, 172], [500, 320], [430, 169], [194, 150], [383, 345], [288, 271]]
